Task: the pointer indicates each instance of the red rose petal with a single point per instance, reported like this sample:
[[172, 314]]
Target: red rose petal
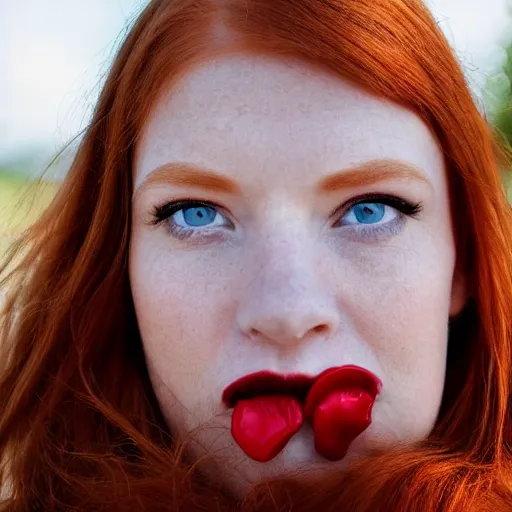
[[263, 425], [339, 419]]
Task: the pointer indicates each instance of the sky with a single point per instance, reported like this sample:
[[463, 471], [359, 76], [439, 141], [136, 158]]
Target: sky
[[53, 54]]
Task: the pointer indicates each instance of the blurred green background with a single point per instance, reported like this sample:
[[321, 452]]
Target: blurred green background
[[19, 205]]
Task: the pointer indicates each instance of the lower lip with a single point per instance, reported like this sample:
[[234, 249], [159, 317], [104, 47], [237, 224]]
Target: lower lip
[[338, 406]]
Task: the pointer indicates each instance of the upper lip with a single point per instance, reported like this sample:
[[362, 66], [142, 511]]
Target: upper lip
[[265, 382]]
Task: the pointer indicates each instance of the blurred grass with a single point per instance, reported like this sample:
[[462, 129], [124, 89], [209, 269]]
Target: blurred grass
[[22, 200]]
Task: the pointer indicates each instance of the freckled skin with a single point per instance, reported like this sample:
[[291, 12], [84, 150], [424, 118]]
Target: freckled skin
[[252, 297]]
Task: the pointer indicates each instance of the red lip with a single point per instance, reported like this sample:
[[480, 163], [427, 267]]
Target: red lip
[[266, 382]]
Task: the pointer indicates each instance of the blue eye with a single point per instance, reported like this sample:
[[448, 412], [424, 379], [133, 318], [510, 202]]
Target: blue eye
[[188, 219], [372, 214], [185, 219], [198, 216], [369, 213]]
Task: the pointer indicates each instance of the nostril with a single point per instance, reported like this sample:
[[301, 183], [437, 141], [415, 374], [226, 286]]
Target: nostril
[[321, 329], [253, 333]]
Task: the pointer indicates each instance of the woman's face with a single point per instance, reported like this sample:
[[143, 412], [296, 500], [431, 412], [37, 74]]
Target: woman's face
[[322, 237]]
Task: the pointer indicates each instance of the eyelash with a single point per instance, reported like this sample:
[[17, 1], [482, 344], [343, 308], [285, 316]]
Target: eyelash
[[404, 208]]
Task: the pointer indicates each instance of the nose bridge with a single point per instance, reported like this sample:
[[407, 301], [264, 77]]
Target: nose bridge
[[285, 301]]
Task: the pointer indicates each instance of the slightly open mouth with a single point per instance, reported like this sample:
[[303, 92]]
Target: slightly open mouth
[[266, 383]]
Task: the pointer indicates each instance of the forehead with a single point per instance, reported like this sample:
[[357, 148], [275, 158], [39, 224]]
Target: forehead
[[277, 113]]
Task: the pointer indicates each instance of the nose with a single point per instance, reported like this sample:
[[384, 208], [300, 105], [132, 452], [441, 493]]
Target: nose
[[286, 304]]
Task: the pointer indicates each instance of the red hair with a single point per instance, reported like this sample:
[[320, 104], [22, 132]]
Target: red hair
[[80, 428]]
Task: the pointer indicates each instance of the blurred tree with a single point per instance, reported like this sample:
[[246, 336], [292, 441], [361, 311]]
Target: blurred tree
[[498, 101], [499, 98]]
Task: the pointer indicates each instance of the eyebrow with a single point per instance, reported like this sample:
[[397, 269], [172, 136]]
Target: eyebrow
[[369, 173], [182, 174], [188, 175]]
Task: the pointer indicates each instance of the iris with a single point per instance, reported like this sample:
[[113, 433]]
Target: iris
[[369, 213], [199, 215]]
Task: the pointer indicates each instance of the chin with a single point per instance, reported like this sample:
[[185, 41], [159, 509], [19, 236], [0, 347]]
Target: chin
[[298, 458]]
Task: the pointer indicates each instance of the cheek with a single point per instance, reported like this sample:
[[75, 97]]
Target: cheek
[[399, 308], [181, 317], [404, 292], [403, 286]]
